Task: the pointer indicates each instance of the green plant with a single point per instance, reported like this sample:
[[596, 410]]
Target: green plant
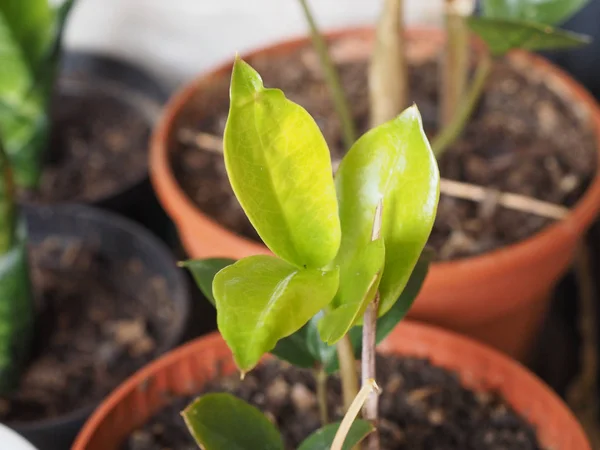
[[16, 304], [346, 264], [504, 25], [30, 36]]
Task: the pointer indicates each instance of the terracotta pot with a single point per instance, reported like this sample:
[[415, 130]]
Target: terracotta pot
[[184, 371], [499, 298]]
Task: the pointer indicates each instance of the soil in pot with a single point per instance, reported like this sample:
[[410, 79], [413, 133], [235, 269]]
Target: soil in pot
[[523, 138], [98, 147], [92, 329], [423, 408]]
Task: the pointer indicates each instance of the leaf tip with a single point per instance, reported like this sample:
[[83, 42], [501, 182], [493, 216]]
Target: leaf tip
[[245, 81]]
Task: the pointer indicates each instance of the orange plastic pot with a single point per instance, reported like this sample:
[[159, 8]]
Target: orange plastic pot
[[499, 298], [184, 371]]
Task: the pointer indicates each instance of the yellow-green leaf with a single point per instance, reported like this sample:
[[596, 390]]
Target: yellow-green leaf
[[393, 165], [224, 422], [262, 299], [280, 170]]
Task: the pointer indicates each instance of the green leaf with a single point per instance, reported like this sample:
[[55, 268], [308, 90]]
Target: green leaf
[[547, 12], [363, 271], [16, 312], [262, 299], [392, 164], [323, 438], [204, 271], [31, 25], [502, 35], [280, 170], [304, 348], [224, 422]]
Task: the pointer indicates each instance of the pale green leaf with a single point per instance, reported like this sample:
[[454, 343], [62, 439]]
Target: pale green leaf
[[547, 12], [362, 271], [502, 35], [224, 422], [323, 438], [280, 170], [392, 164], [262, 299]]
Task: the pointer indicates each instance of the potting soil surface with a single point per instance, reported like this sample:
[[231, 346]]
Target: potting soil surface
[[422, 407], [95, 327], [522, 139], [98, 147]]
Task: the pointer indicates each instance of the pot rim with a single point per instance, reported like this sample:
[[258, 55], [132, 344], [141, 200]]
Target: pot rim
[[181, 207], [410, 338]]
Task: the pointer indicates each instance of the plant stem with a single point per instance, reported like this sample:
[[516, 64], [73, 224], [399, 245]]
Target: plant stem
[[452, 131], [388, 79], [332, 78], [321, 380], [370, 409], [367, 390], [455, 67], [348, 375]]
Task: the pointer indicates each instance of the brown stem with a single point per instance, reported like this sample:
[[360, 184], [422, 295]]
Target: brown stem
[[348, 375], [452, 131], [455, 67], [321, 381], [332, 78], [370, 408], [388, 79]]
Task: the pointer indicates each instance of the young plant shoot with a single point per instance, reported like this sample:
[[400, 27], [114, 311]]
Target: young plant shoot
[[30, 37], [504, 25], [30, 34], [16, 301], [343, 247]]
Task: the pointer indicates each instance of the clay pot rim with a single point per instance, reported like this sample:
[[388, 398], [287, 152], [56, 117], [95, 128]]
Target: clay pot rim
[[487, 358], [179, 205]]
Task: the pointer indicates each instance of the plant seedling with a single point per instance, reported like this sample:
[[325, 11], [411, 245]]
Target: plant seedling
[[342, 246], [30, 34], [503, 25]]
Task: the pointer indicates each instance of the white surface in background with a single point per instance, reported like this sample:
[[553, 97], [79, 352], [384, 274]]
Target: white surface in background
[[177, 39], [9, 440]]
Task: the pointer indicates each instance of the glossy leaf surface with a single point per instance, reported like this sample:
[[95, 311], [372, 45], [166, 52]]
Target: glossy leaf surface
[[280, 170], [204, 271], [392, 164], [502, 35], [323, 438], [262, 299], [547, 12], [224, 422]]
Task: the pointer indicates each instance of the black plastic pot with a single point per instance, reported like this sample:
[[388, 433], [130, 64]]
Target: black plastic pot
[[119, 239], [85, 73]]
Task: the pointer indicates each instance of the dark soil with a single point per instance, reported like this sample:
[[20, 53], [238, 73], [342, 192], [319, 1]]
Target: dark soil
[[98, 148], [91, 332], [522, 139], [422, 408]]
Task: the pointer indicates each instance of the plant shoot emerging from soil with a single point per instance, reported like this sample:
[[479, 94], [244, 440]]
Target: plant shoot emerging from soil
[[30, 35], [344, 247]]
